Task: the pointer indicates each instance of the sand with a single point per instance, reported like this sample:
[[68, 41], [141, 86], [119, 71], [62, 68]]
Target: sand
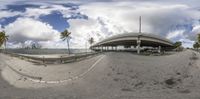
[[113, 75]]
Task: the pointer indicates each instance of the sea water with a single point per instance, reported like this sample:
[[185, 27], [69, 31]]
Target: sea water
[[46, 51]]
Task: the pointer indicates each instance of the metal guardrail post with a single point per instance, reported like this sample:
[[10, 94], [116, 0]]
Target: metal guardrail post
[[43, 60], [61, 59]]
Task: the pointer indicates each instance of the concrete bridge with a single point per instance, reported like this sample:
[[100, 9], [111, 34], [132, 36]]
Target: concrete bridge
[[137, 40]]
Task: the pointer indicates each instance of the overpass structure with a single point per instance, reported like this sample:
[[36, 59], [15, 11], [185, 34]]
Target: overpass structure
[[137, 40]]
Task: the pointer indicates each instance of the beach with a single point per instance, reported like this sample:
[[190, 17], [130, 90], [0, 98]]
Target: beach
[[110, 75]]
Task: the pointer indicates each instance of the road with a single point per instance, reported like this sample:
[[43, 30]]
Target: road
[[111, 76]]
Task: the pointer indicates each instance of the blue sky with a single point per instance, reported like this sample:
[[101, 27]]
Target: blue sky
[[28, 21]]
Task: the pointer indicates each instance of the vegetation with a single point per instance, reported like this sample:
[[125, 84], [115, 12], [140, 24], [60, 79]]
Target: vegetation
[[177, 44], [91, 40], [198, 39], [36, 46], [65, 35], [196, 45], [3, 38]]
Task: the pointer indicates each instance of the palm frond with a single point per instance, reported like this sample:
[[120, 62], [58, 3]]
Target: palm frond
[[3, 37], [65, 34]]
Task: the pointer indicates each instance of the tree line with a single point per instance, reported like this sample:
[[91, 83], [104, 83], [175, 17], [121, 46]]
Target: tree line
[[196, 45]]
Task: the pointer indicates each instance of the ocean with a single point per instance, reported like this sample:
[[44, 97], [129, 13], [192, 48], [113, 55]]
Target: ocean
[[46, 51]]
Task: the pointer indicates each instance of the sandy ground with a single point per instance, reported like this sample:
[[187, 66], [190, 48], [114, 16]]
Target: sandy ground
[[108, 76]]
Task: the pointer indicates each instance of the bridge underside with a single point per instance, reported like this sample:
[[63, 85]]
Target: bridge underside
[[134, 43], [136, 40]]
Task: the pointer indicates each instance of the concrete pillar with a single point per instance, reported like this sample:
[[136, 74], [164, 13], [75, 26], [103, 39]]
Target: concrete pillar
[[159, 49], [138, 45]]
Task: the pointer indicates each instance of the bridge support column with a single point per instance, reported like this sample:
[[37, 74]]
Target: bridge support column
[[159, 49], [138, 45], [99, 48]]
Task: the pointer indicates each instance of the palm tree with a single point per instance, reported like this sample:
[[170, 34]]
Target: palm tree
[[91, 41], [3, 38], [177, 44], [196, 45], [198, 39], [65, 36]]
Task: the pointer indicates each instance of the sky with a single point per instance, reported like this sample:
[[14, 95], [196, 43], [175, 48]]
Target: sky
[[41, 21]]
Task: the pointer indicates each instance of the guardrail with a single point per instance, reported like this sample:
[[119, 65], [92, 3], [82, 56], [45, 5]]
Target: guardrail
[[56, 60]]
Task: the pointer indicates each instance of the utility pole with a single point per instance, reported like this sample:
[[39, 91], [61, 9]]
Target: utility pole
[[140, 24], [86, 46], [138, 40]]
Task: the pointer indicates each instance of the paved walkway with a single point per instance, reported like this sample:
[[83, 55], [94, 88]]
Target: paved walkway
[[118, 76], [51, 72]]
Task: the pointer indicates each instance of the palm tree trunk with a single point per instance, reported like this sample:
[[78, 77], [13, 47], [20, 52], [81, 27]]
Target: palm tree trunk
[[5, 46], [68, 46]]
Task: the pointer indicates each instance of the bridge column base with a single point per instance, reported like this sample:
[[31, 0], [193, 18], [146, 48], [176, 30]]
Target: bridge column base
[[159, 49]]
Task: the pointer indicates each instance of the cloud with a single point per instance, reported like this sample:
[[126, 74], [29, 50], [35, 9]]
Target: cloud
[[171, 19], [45, 10], [156, 18], [24, 29], [186, 42], [175, 34], [6, 14], [122, 17]]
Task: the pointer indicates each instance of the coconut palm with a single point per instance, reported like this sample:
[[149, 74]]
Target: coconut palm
[[198, 38], [65, 35], [177, 44], [196, 45], [3, 38], [91, 41]]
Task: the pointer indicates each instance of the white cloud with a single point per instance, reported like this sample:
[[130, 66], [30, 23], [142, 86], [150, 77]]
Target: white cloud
[[14, 45], [175, 34], [106, 19], [196, 29], [156, 18], [5, 14], [45, 10], [186, 42], [53, 44], [24, 29]]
